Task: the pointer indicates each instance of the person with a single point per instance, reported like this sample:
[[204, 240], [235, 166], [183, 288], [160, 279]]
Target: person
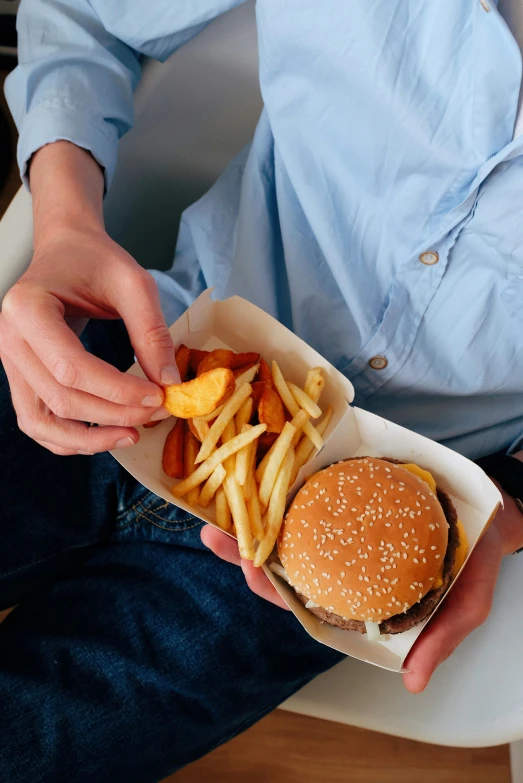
[[376, 213]]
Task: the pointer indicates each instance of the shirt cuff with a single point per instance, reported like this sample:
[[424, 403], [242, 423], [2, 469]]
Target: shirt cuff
[[52, 121]]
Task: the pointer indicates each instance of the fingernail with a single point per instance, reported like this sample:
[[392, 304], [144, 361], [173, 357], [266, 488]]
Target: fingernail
[[169, 375], [152, 400], [160, 414], [86, 453], [124, 443]]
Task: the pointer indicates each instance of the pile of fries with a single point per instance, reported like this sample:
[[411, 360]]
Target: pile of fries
[[245, 453]]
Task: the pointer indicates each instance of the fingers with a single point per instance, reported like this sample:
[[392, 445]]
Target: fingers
[[60, 436], [141, 311], [464, 610], [226, 548], [260, 585], [221, 544], [38, 317], [70, 403]]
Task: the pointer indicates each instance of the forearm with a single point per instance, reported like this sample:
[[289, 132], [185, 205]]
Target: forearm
[[67, 186]]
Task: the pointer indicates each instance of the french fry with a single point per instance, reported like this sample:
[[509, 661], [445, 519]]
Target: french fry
[[231, 408], [243, 359], [195, 358], [306, 447], [270, 410], [244, 414], [201, 427], [204, 470], [264, 373], [172, 458], [304, 401], [253, 508], [200, 396], [223, 512], [240, 517], [292, 406], [314, 384], [190, 450], [214, 415], [243, 369], [243, 460], [211, 486], [276, 509], [228, 434], [297, 422], [190, 424], [250, 485], [183, 356], [257, 391], [247, 377], [149, 424], [274, 463], [283, 390], [221, 357]]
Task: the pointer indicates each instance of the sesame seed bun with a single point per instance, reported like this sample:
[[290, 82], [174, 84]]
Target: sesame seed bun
[[364, 540]]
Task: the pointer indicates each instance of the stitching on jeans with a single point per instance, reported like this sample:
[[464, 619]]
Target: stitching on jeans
[[142, 514], [187, 518], [179, 529]]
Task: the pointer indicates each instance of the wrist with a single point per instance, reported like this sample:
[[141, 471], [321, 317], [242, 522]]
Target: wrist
[[67, 186]]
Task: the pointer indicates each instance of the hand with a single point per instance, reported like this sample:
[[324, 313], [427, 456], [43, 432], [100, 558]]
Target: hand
[[468, 604], [227, 549], [77, 273]]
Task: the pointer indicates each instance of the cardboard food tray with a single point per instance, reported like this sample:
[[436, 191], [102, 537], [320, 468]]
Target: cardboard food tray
[[239, 325]]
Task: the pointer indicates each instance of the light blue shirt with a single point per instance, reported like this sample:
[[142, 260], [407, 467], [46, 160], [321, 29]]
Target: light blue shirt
[[378, 211]]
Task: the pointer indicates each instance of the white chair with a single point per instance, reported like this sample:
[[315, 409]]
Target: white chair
[[193, 114]]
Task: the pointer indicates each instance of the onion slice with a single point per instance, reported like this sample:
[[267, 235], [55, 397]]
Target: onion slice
[[373, 631]]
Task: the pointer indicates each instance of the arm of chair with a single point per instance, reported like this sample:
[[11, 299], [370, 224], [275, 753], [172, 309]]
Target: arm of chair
[[16, 240]]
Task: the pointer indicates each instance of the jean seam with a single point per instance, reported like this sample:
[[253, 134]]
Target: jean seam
[[49, 557]]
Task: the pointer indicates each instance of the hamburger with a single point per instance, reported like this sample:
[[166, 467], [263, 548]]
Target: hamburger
[[371, 545]]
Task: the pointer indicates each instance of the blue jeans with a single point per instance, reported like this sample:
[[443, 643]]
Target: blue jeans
[[133, 650]]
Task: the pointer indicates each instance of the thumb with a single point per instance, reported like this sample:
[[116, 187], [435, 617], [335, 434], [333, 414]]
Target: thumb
[[138, 303]]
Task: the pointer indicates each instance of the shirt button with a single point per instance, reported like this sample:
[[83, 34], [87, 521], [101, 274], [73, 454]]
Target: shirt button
[[378, 362], [429, 258]]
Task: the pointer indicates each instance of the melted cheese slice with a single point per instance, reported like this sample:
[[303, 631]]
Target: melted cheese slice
[[424, 475], [461, 551]]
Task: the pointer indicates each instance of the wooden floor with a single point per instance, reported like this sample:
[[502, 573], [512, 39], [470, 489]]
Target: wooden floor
[[289, 748]]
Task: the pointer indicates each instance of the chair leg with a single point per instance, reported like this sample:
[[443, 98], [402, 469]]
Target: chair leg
[[516, 761]]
